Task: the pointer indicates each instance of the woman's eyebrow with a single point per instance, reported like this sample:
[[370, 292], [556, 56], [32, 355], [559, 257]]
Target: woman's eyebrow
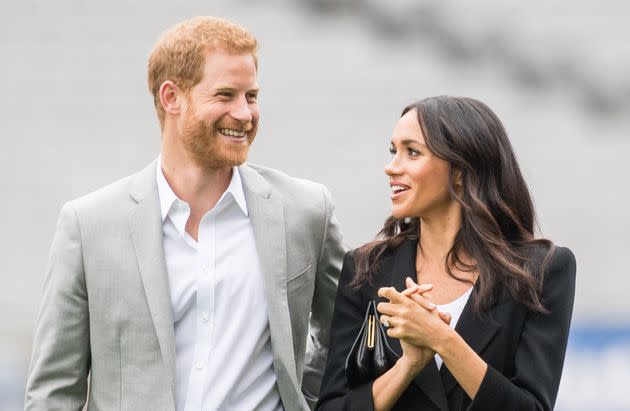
[[410, 141]]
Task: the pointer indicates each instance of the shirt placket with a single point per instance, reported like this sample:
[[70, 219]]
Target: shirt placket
[[205, 311]]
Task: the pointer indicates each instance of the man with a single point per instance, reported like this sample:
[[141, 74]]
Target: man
[[191, 284]]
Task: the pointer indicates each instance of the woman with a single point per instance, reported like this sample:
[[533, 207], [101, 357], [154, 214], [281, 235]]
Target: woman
[[462, 225]]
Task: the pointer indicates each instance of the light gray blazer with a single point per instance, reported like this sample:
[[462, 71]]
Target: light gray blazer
[[106, 306]]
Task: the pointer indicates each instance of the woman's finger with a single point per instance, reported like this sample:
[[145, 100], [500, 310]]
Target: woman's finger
[[422, 288], [392, 295], [423, 302], [446, 317], [388, 321], [387, 308], [409, 282], [407, 292]]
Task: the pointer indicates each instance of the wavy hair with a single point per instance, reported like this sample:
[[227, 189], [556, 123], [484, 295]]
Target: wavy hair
[[497, 212]]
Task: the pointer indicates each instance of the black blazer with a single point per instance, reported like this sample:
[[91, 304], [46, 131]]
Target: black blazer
[[524, 350]]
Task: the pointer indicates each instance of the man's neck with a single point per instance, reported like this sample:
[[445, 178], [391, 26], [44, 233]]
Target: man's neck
[[200, 188]]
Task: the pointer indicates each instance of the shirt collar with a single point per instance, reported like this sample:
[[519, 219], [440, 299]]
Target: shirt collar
[[168, 197], [166, 194], [236, 189]]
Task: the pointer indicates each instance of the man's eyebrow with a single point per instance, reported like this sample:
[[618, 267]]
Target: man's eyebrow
[[229, 88]]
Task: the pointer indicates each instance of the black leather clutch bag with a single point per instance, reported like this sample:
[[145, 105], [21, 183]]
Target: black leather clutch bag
[[370, 355]]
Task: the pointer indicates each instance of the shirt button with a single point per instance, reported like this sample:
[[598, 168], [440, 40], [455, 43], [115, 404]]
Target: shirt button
[[199, 365], [204, 317]]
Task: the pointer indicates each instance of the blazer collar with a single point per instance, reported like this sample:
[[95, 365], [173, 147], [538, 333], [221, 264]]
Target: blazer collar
[[145, 224], [268, 223], [254, 182]]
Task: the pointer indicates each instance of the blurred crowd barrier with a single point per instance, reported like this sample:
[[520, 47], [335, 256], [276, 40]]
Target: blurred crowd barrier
[[597, 370]]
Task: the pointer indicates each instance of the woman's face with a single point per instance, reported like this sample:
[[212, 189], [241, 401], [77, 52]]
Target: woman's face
[[418, 179]]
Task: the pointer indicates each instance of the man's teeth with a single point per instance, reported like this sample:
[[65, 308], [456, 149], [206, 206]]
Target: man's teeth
[[231, 133], [397, 189]]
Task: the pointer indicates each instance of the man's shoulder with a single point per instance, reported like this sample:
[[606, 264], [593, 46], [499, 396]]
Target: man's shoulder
[[286, 184], [300, 198], [114, 195]]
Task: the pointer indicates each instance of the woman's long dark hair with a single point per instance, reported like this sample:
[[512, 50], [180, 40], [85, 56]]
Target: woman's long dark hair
[[497, 213]]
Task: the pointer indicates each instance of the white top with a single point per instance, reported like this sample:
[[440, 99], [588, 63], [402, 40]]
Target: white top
[[454, 308], [222, 339]]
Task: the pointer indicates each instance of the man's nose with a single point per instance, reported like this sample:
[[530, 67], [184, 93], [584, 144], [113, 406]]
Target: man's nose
[[241, 111]]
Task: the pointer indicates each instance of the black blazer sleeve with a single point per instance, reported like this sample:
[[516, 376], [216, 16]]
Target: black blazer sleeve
[[347, 318], [539, 356]]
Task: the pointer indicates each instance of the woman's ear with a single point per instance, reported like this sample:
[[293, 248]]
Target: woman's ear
[[457, 178]]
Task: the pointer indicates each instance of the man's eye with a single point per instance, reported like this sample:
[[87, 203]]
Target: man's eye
[[252, 98], [392, 151], [224, 94]]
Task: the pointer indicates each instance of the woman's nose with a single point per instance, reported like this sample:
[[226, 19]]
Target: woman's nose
[[393, 167]]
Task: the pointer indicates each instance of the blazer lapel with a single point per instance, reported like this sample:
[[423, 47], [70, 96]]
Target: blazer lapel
[[267, 219], [477, 330], [428, 380], [146, 233]]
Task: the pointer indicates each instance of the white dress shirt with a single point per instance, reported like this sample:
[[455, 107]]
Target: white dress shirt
[[222, 339]]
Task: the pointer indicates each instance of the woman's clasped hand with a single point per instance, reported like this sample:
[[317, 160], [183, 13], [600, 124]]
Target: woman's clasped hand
[[407, 314]]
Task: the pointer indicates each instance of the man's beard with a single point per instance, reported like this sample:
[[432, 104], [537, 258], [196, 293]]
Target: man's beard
[[204, 144]]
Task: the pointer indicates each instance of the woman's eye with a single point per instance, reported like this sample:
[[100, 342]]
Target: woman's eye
[[392, 151], [413, 152]]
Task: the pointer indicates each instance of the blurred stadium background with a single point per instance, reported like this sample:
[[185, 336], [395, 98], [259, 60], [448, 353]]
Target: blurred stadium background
[[335, 75]]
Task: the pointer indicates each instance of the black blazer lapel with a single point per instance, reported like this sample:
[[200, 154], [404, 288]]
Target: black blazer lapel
[[477, 330], [404, 265]]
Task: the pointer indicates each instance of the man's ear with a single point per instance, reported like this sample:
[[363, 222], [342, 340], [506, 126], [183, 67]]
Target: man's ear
[[170, 98]]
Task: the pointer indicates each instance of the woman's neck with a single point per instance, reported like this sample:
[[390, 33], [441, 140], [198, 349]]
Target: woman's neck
[[438, 232], [436, 239]]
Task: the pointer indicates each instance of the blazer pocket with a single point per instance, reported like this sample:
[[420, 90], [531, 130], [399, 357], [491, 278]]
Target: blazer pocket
[[298, 281]]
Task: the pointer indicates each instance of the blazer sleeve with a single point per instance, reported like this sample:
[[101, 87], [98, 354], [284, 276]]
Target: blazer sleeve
[[347, 319], [326, 279], [540, 354], [60, 358]]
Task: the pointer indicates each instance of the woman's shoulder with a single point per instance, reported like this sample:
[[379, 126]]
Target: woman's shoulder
[[550, 259], [541, 250], [562, 260]]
